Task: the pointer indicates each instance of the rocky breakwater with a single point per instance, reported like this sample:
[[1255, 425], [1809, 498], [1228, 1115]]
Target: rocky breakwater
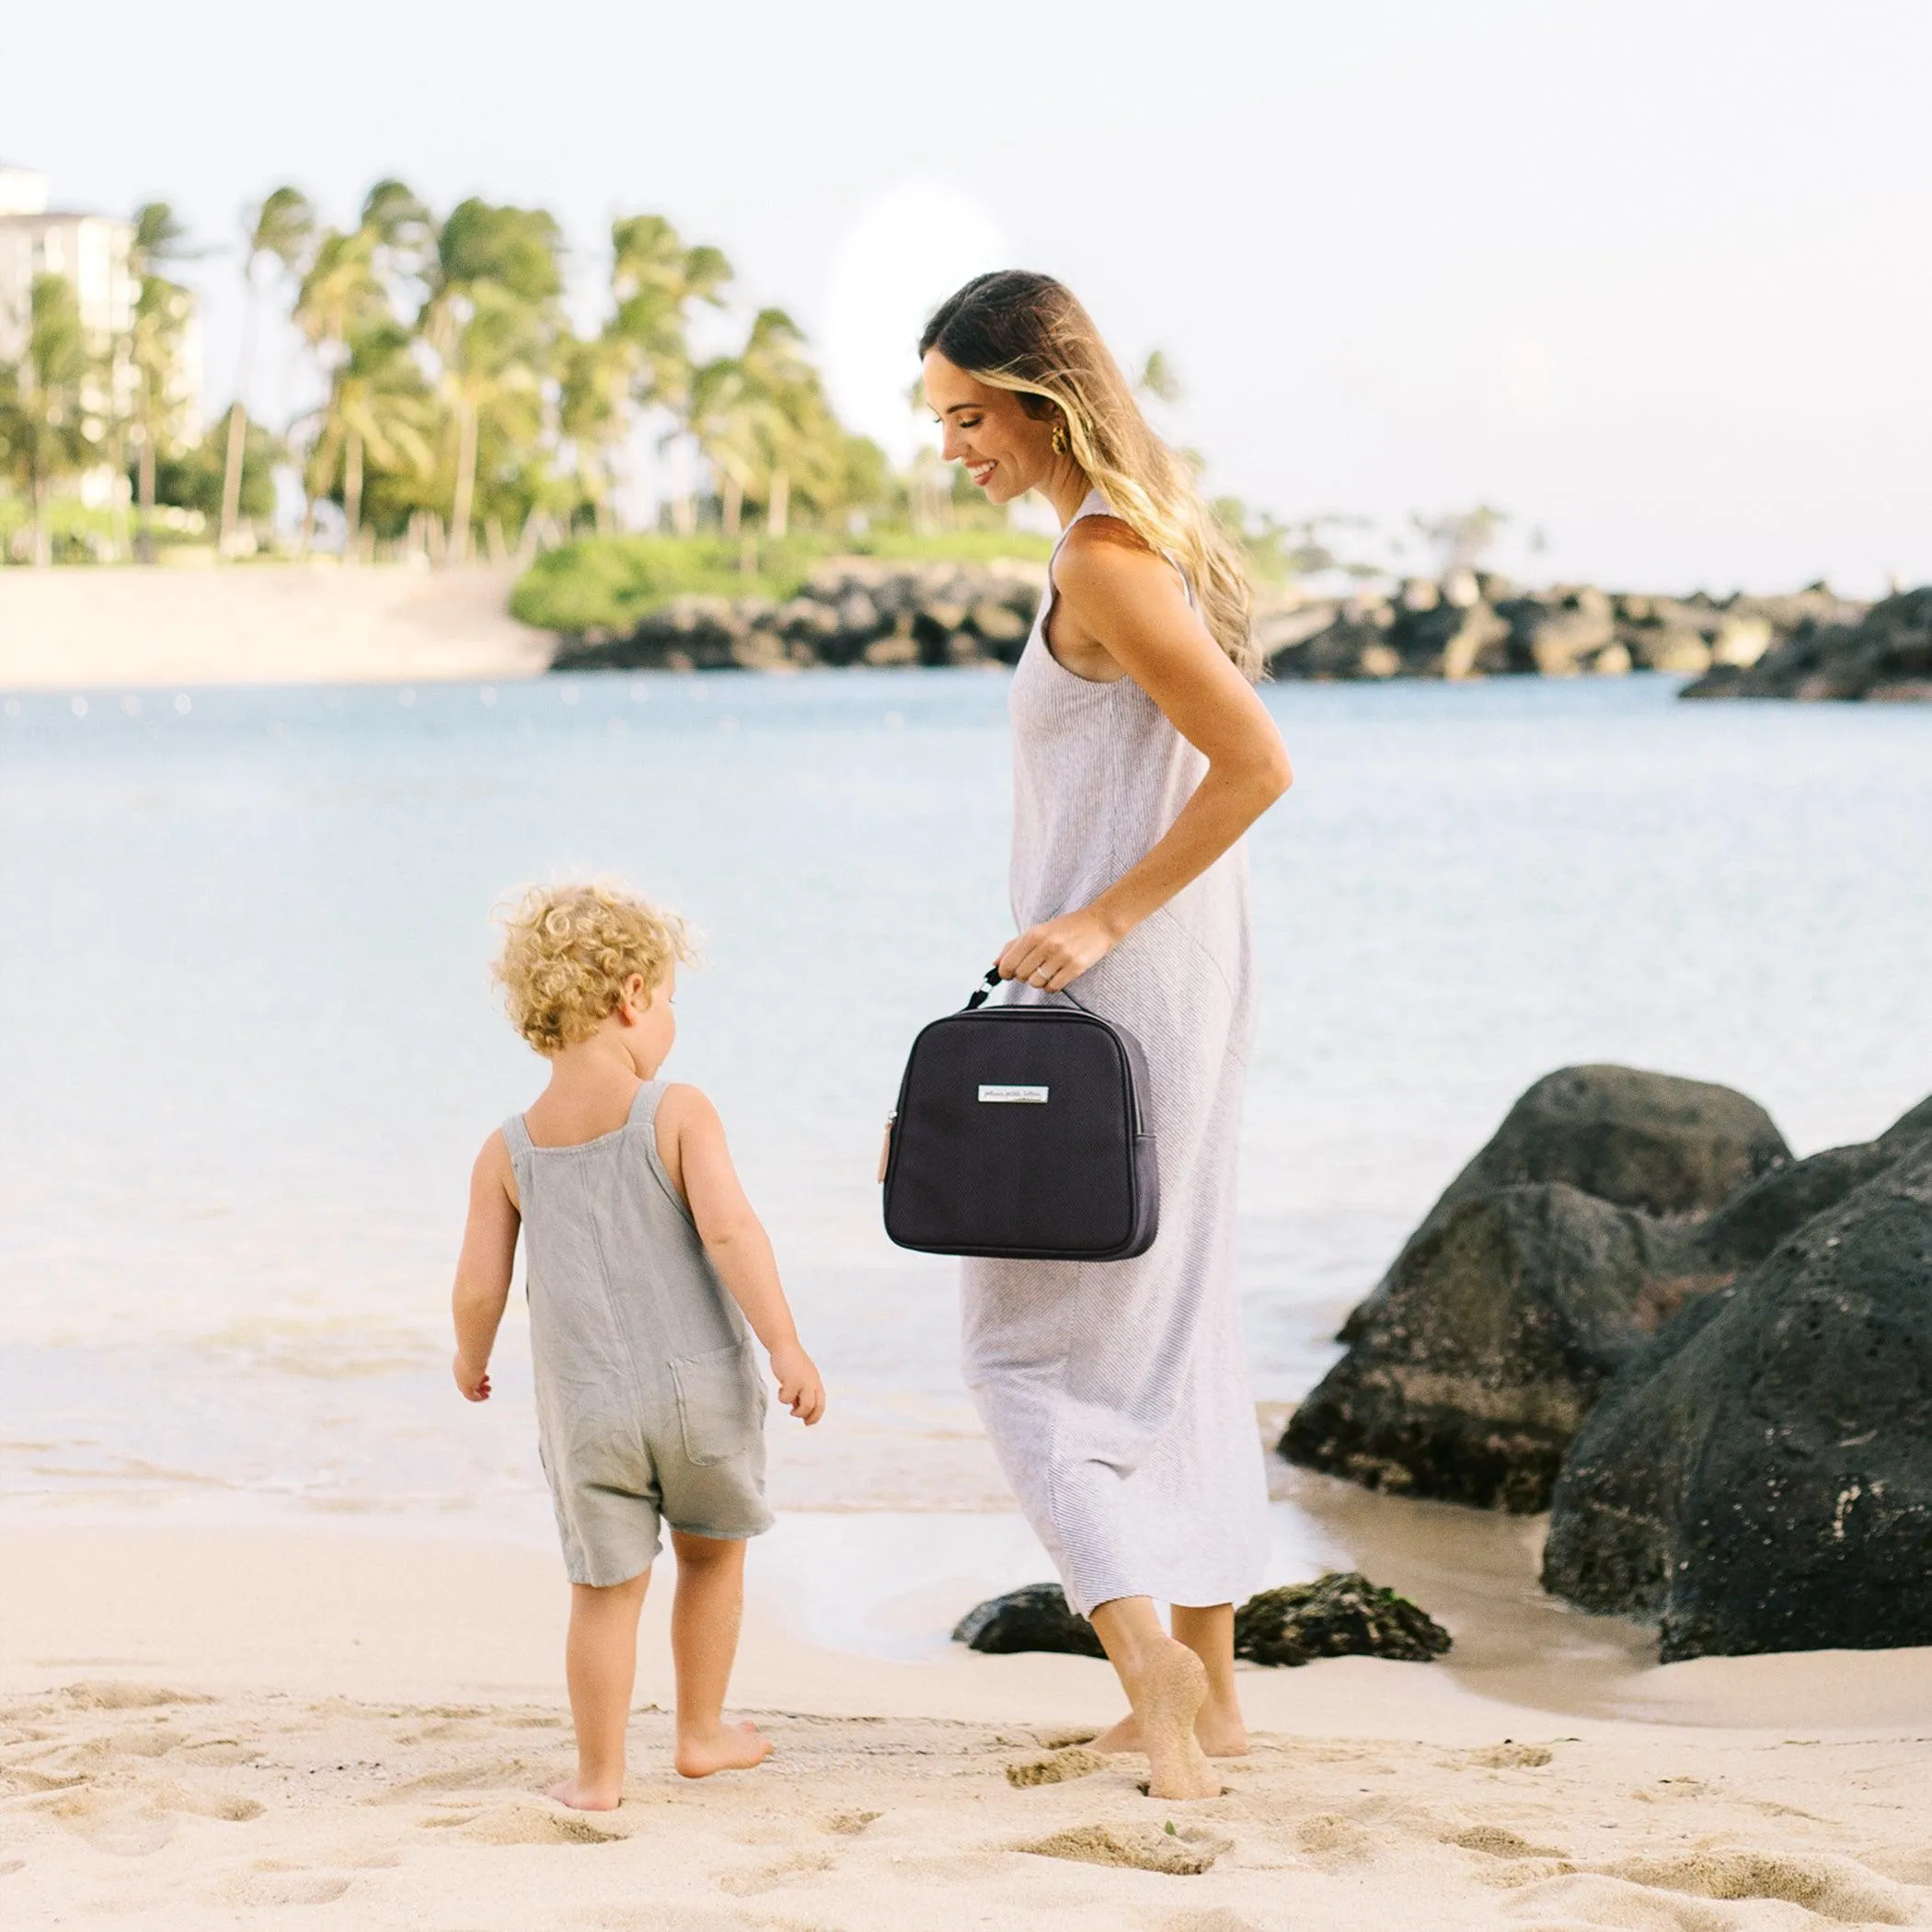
[[1759, 1478], [1473, 625], [851, 610], [1884, 653]]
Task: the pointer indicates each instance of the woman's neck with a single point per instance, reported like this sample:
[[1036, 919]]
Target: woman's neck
[[1066, 490]]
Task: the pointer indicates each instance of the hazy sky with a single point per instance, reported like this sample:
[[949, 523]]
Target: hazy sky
[[1654, 276]]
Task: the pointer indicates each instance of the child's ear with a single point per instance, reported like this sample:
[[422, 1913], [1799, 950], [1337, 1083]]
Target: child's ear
[[634, 1002]]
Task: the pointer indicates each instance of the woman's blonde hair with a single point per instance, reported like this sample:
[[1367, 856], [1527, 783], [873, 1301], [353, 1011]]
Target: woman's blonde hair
[[1027, 333], [567, 951]]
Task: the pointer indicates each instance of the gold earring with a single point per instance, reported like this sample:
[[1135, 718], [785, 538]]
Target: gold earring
[[1059, 439]]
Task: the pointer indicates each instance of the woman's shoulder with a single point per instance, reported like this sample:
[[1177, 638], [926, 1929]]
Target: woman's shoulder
[[1102, 557]]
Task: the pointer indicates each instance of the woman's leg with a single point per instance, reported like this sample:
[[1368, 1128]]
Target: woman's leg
[[600, 1666], [1167, 1684], [1209, 1633], [705, 1616]]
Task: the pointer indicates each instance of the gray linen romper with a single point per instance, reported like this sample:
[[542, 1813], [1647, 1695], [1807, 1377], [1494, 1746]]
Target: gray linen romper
[[650, 1405]]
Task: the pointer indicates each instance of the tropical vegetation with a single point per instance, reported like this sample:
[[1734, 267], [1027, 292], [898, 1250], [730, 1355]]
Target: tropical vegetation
[[467, 394], [459, 403]]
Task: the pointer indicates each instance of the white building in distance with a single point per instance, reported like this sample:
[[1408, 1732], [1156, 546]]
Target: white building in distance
[[92, 252]]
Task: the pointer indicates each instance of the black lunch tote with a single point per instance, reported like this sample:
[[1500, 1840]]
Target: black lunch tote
[[1019, 1134]]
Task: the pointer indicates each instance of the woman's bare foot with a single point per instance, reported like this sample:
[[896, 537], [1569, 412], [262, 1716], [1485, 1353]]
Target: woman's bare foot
[[1167, 1694], [1220, 1733], [580, 1795], [731, 1747]]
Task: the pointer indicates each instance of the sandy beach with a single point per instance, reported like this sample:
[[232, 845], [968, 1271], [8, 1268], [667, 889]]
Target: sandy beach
[[260, 624], [213, 1727]]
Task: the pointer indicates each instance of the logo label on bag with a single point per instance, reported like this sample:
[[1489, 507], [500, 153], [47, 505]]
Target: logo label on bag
[[1027, 1096]]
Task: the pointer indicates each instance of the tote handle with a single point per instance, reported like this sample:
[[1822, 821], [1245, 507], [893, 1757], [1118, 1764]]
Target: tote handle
[[985, 990]]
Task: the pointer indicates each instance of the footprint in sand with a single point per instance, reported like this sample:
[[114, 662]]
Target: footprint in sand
[[228, 1806], [270, 1884], [129, 1696], [1062, 1740], [1183, 1851], [1220, 1921], [848, 1824], [1510, 1756], [531, 1824], [492, 1775], [768, 1877], [1056, 1769], [9, 1866], [1330, 1839], [111, 1823], [1496, 1842], [1831, 1886]]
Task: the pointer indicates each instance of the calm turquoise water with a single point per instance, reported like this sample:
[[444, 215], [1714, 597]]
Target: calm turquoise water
[[248, 1048]]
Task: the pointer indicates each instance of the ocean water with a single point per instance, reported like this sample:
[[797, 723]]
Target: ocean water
[[248, 1047]]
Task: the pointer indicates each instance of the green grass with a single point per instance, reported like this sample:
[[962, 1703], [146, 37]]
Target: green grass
[[609, 582]]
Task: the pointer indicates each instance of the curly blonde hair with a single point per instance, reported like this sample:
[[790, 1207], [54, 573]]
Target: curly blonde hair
[[567, 951]]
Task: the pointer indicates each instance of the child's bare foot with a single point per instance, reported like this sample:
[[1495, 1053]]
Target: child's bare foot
[[731, 1747], [1168, 1693], [582, 1794], [1219, 1733]]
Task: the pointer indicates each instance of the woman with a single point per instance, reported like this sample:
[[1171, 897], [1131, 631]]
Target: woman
[[1116, 1394]]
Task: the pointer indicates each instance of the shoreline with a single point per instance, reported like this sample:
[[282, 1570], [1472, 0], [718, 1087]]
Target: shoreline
[[201, 1720], [260, 624]]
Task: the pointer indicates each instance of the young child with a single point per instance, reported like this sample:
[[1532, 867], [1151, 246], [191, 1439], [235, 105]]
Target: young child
[[645, 1263]]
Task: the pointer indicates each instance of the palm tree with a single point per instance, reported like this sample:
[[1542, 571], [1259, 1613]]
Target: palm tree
[[490, 318], [378, 408], [279, 231], [339, 298], [762, 419], [44, 426], [162, 309], [595, 383], [655, 281]]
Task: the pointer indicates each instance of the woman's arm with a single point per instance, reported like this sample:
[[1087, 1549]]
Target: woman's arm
[[483, 1268], [1112, 592], [691, 1143]]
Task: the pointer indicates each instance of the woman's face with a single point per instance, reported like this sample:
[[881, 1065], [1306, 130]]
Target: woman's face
[[1004, 450]]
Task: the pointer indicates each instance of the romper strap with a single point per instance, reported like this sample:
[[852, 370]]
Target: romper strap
[[644, 1108], [644, 1119]]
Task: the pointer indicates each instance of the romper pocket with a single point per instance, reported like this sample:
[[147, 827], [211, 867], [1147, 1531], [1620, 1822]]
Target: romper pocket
[[720, 1404]]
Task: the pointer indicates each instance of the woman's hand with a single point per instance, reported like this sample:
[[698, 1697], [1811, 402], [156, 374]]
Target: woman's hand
[[1052, 956], [473, 1381]]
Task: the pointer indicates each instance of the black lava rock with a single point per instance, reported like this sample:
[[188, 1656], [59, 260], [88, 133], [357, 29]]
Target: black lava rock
[[1484, 1350], [1642, 1140], [1552, 1257], [1760, 1477], [1034, 1619], [1343, 1614]]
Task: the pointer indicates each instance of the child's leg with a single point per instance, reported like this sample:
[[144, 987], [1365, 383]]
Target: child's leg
[[601, 1665], [703, 1640]]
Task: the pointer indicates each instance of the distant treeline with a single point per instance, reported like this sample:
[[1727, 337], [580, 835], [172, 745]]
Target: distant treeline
[[458, 402]]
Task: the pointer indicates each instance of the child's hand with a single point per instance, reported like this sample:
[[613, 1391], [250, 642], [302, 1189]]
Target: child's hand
[[801, 1387], [473, 1382]]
